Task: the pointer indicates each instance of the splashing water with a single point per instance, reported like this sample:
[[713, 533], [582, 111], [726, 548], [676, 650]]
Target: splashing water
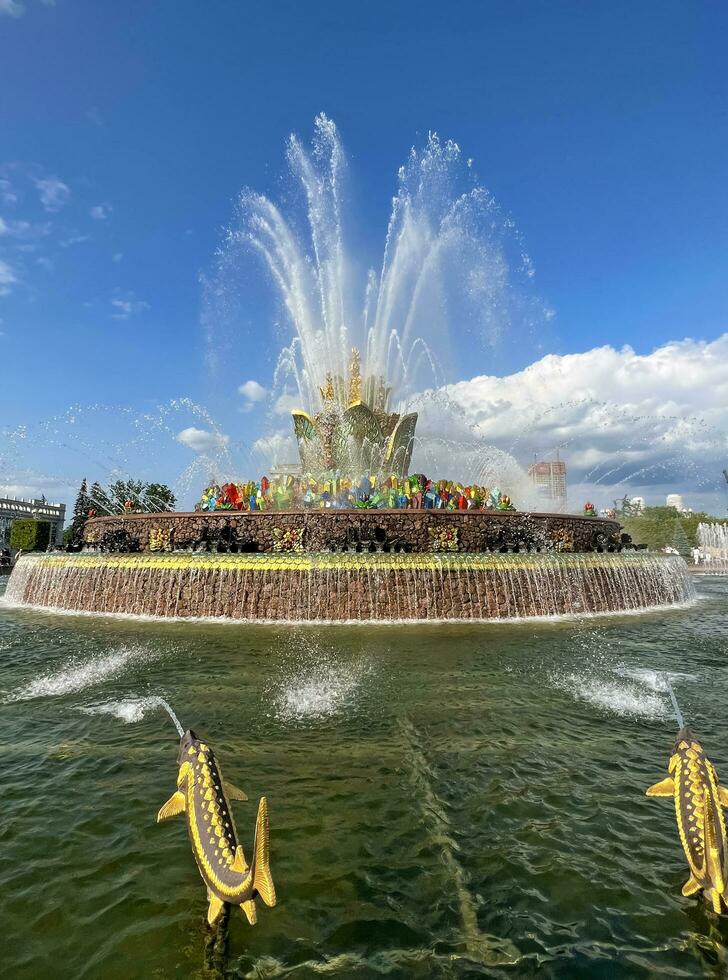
[[612, 696], [319, 691], [128, 710], [445, 278], [77, 675], [131, 710]]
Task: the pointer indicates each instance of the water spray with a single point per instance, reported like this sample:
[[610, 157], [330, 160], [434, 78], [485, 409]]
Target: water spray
[[675, 706], [172, 715]]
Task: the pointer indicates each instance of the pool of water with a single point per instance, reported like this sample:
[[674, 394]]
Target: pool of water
[[445, 801]]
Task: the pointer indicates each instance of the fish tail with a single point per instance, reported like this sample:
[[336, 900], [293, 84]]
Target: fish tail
[[262, 879]]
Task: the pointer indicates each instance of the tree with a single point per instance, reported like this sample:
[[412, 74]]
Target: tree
[[160, 497], [123, 490], [80, 515], [29, 535], [680, 540], [99, 499], [151, 497]]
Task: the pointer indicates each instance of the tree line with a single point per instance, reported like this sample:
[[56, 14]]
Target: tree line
[[122, 496]]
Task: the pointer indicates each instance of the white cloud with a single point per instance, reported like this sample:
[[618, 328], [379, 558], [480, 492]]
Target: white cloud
[[7, 193], [54, 194], [286, 403], [252, 392], [74, 240], [126, 304], [14, 228], [100, 212], [11, 8], [8, 279], [201, 441], [620, 419]]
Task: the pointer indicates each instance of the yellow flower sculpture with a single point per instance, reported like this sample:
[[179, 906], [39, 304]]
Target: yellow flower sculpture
[[444, 539], [287, 539]]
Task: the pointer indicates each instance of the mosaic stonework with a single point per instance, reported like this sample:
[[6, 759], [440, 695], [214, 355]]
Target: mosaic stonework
[[304, 587], [444, 539], [563, 539], [92, 535], [160, 540], [287, 539]]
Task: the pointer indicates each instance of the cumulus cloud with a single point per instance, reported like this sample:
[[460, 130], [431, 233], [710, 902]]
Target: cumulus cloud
[[201, 440], [126, 304], [618, 418], [100, 212], [253, 393], [54, 194]]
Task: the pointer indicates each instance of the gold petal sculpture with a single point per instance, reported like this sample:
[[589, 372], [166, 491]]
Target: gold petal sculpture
[[354, 431]]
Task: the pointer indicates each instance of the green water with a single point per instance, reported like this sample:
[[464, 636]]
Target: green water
[[444, 801]]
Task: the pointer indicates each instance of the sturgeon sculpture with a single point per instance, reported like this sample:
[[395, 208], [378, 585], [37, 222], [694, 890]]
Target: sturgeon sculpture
[[699, 800], [203, 796]]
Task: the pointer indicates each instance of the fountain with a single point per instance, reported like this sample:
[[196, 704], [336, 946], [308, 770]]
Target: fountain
[[353, 534], [713, 548]]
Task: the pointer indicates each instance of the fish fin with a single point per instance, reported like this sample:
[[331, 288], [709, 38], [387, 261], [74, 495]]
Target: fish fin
[[723, 796], [666, 787], [249, 908], [214, 909], [232, 792], [262, 880], [239, 862], [174, 805], [691, 886]]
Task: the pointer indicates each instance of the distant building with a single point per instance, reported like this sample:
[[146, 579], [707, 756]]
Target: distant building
[[549, 480], [638, 503], [279, 471], [675, 500], [39, 510]]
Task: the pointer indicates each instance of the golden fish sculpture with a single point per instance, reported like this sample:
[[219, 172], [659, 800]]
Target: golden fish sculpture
[[203, 796], [699, 800]]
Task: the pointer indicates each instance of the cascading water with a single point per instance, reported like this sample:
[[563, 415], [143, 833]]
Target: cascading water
[[713, 547], [352, 588]]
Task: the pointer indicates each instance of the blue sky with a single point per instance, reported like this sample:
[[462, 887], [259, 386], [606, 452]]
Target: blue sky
[[127, 130]]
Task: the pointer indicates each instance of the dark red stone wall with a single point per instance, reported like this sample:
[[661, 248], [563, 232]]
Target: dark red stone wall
[[336, 530]]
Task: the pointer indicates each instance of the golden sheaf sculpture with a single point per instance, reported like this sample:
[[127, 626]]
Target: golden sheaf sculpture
[[699, 800], [354, 432], [203, 796]]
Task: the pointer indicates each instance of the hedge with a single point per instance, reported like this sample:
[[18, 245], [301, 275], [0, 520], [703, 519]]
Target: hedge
[[29, 535]]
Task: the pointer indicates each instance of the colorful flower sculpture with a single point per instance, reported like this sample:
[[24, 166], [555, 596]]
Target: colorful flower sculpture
[[290, 539], [443, 539], [334, 490], [590, 510]]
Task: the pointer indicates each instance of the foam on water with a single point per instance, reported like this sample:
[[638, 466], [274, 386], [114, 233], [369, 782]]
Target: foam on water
[[319, 691], [613, 696], [78, 674], [128, 710]]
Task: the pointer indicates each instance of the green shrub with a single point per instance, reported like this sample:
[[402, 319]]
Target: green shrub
[[29, 535]]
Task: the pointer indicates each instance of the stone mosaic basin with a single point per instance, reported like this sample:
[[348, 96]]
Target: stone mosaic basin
[[322, 588]]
